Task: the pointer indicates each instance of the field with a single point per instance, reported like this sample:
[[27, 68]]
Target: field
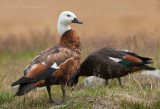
[[29, 26]]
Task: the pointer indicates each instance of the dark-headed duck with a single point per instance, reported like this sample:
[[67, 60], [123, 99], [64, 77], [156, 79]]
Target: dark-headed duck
[[109, 63]]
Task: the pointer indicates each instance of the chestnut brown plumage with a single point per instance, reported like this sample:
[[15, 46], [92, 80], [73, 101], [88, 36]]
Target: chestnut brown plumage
[[55, 65], [109, 63]]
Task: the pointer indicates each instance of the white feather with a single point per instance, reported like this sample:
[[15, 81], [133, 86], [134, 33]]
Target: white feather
[[55, 66], [43, 63], [33, 66], [115, 59], [126, 50], [63, 28], [26, 67], [64, 22]]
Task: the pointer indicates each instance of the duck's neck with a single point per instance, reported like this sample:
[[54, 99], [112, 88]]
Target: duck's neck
[[62, 28], [70, 38]]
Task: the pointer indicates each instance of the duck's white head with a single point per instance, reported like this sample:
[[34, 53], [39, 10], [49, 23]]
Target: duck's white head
[[65, 19]]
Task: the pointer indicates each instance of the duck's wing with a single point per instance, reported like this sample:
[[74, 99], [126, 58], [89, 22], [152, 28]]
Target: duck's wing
[[131, 59], [46, 63], [124, 57], [146, 60]]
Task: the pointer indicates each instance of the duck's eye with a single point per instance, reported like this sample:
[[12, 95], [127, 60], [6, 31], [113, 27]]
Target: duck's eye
[[68, 15]]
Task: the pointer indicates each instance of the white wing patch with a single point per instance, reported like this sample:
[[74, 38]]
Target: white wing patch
[[126, 50], [55, 66], [43, 63], [115, 59], [35, 65]]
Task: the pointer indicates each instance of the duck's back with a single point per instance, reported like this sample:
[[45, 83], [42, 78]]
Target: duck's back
[[100, 64], [110, 63]]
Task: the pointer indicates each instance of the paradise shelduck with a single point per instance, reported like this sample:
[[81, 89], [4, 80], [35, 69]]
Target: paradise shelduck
[[55, 65], [109, 63]]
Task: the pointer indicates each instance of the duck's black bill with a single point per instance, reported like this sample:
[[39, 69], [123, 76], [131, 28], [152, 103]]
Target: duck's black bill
[[76, 21]]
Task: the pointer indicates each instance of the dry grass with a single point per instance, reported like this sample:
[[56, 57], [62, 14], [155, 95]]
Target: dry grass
[[100, 17], [29, 26]]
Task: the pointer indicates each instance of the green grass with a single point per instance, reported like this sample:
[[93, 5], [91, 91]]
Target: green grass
[[5, 97], [129, 97]]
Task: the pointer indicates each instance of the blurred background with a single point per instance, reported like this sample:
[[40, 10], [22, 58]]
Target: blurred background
[[29, 26], [25, 24]]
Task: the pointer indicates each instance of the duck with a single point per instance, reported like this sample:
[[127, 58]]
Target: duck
[[108, 63], [55, 65]]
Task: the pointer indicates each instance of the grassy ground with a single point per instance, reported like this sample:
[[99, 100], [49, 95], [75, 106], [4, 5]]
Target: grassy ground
[[29, 26], [113, 96]]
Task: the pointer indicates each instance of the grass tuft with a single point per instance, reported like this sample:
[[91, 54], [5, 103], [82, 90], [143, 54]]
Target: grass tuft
[[5, 97]]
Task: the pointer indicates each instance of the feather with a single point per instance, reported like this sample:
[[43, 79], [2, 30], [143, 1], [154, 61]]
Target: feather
[[24, 89], [47, 74]]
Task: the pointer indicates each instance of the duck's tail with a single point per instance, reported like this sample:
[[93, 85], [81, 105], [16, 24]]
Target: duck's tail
[[146, 67], [24, 89]]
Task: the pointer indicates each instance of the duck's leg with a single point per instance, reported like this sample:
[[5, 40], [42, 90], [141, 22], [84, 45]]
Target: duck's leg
[[106, 82], [64, 93], [120, 82], [50, 96], [49, 93]]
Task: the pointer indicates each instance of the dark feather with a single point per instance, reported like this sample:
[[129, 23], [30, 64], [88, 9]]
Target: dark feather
[[47, 74], [144, 59], [145, 67], [72, 82], [24, 89]]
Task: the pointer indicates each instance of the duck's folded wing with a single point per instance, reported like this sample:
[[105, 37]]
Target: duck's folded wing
[[45, 65], [146, 60], [133, 60]]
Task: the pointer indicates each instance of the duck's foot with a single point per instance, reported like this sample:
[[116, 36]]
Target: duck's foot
[[64, 100], [55, 101], [120, 82]]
